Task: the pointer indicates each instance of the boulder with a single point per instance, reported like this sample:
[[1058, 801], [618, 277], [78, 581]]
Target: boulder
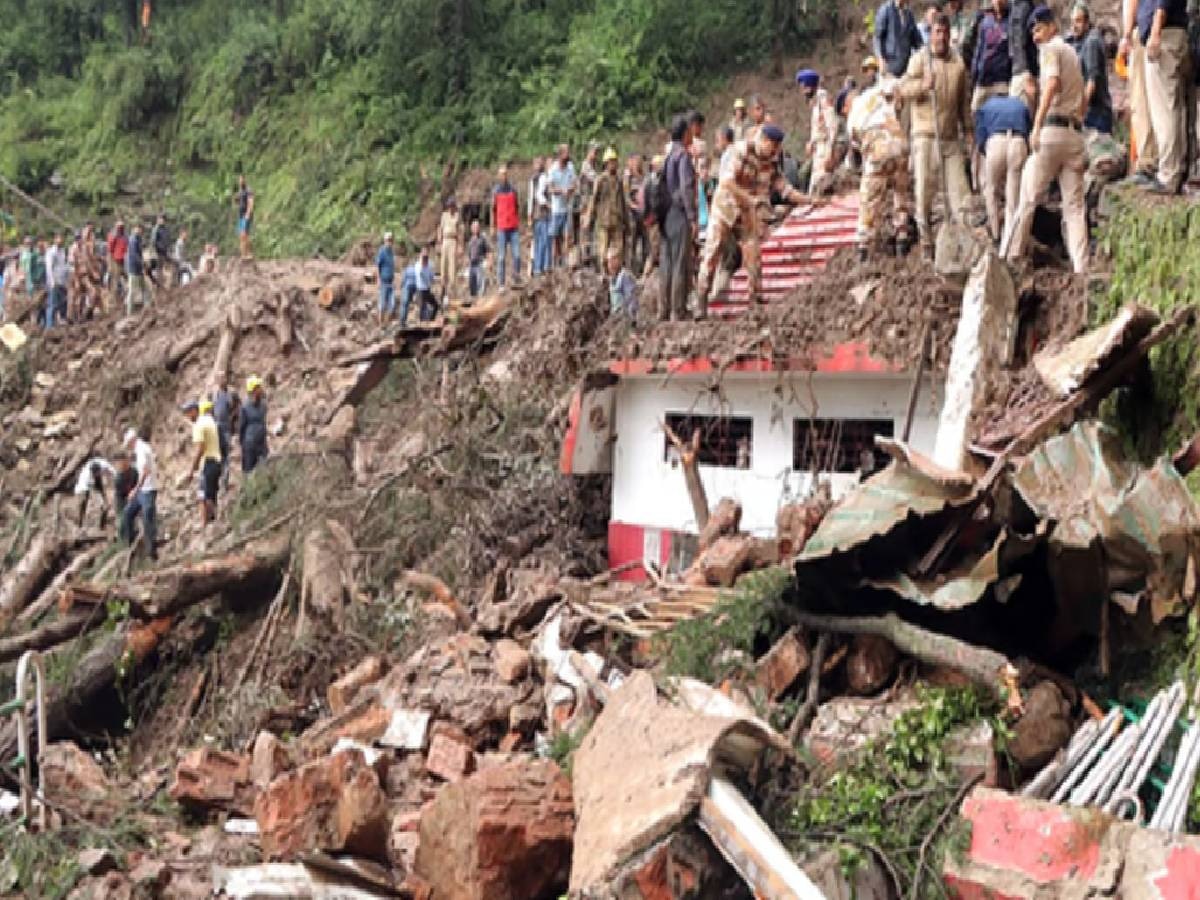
[[1044, 728], [269, 759], [512, 660], [870, 664], [74, 780], [213, 779]]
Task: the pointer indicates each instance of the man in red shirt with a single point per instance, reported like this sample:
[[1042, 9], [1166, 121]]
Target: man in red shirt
[[118, 249], [506, 225]]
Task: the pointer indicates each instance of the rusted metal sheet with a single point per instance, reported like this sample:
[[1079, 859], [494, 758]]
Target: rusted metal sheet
[[911, 487], [1066, 370], [1143, 519]]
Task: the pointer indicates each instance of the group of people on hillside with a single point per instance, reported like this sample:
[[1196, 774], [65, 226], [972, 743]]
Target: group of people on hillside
[[1003, 100], [93, 274], [133, 469]]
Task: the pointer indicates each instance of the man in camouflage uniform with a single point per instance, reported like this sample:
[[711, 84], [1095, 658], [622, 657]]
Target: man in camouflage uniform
[[875, 128], [823, 133], [743, 189], [608, 209]]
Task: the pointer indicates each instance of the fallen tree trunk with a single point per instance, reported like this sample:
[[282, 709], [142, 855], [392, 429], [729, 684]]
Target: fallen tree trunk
[[338, 290], [51, 594], [982, 665], [32, 572], [689, 460], [167, 591], [434, 587], [230, 331], [285, 329], [52, 633]]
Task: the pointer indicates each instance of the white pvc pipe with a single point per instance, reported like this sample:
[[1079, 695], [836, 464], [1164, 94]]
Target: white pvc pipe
[[31, 657]]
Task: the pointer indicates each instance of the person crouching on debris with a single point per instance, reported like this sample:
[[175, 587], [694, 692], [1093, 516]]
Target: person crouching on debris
[[823, 133], [144, 493], [207, 458], [743, 188], [91, 481], [253, 425], [385, 263], [875, 126], [622, 288]]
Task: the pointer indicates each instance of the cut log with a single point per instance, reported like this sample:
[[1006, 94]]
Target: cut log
[[338, 290], [230, 331], [34, 571], [53, 633], [468, 325], [982, 665], [439, 591], [285, 329], [50, 595], [167, 591]]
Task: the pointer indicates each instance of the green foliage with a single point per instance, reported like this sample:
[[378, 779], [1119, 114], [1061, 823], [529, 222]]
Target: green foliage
[[1155, 262], [712, 647], [565, 743], [337, 113], [894, 793]]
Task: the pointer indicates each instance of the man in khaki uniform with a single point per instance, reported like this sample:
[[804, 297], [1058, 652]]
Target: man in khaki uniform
[[1133, 51], [608, 210], [744, 188], [875, 128], [1057, 145], [448, 239], [1002, 128], [823, 133], [939, 88], [1162, 28]]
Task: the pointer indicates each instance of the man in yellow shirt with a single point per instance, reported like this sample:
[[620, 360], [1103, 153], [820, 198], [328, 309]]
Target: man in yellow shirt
[[206, 440]]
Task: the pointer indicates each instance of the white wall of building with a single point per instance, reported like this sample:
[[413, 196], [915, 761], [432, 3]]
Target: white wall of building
[[650, 492]]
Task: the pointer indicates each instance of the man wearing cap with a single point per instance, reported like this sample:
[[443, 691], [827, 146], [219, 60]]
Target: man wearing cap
[[607, 210], [1162, 30], [385, 264], [253, 425], [936, 87], [822, 134], [1002, 127], [144, 494], [506, 225], [875, 127], [448, 238], [896, 36], [208, 456], [870, 73], [742, 189], [1057, 145], [739, 123]]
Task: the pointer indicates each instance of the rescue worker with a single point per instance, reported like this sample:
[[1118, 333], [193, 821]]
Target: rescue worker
[[741, 192], [875, 127], [1057, 145], [449, 236], [252, 424], [91, 481], [822, 135], [870, 73], [208, 456], [739, 123], [1002, 128], [607, 211], [936, 88]]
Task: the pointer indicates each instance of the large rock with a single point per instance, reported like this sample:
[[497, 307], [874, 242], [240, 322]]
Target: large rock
[[213, 779], [269, 759], [335, 804], [74, 780], [1043, 729], [505, 833]]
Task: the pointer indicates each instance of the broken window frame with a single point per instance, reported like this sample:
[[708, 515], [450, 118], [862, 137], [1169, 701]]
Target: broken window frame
[[813, 440], [726, 442]]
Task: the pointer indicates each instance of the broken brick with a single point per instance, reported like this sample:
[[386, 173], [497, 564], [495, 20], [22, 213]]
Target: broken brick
[[269, 759], [512, 660], [335, 803], [449, 759], [724, 519], [214, 779], [502, 834], [343, 691], [364, 722], [725, 560], [784, 663]]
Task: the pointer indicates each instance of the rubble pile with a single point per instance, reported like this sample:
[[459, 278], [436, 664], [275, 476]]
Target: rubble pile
[[400, 664]]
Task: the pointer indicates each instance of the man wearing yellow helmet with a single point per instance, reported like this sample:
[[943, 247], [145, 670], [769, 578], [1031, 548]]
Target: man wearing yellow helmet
[[252, 425], [607, 209], [208, 456]]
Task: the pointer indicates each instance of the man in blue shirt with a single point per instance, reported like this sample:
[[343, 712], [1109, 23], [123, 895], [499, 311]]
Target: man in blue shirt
[[385, 262], [418, 281], [1021, 48], [561, 189], [1089, 47], [1002, 128], [1162, 27], [896, 35], [991, 63], [135, 268]]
